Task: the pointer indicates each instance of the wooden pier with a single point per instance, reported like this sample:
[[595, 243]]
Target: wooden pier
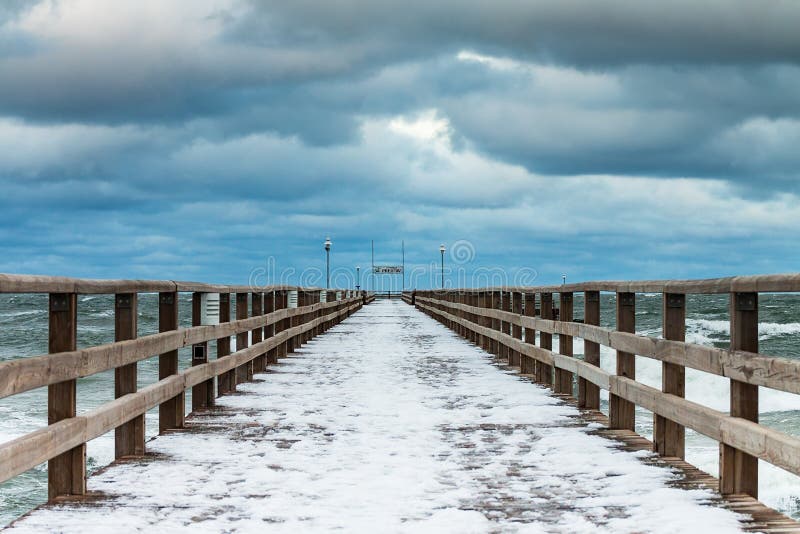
[[273, 322]]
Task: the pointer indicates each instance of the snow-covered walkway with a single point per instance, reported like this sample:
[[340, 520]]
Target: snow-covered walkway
[[387, 423]]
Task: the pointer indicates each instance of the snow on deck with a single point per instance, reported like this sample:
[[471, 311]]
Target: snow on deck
[[387, 423]]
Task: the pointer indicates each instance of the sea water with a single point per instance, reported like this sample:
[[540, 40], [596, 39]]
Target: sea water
[[23, 333]]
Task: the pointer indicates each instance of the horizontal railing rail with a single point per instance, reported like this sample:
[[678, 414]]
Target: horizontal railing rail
[[497, 318], [275, 319]]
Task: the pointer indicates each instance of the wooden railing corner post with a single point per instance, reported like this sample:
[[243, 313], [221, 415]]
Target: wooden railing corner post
[[244, 372], [668, 436], [66, 473], [738, 471], [128, 437], [588, 393], [564, 378], [170, 412], [203, 393], [621, 412]]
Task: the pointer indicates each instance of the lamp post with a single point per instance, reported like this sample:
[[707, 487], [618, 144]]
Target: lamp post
[[358, 278], [441, 250], [327, 262]]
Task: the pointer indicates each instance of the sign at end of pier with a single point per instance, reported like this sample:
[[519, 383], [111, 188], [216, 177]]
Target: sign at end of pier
[[387, 269]]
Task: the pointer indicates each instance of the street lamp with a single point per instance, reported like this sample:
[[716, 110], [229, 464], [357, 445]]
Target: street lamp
[[358, 278], [442, 249], [328, 262]]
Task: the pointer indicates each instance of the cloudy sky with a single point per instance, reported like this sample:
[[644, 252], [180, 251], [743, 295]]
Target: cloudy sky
[[198, 139]]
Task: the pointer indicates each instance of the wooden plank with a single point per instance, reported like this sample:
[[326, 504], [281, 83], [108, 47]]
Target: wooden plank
[[545, 372], [563, 378], [66, 473], [621, 412], [669, 436], [589, 393], [128, 437], [245, 372], [738, 470], [171, 411]]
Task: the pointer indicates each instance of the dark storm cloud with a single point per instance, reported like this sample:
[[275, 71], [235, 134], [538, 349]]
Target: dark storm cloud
[[194, 139], [581, 32]]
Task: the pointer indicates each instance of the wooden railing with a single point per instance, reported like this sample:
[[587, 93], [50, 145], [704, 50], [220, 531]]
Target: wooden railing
[[274, 327], [495, 319]]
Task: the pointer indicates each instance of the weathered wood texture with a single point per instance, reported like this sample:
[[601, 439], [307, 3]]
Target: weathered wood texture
[[621, 412], [62, 442], [129, 437], [739, 433], [66, 470], [171, 411]]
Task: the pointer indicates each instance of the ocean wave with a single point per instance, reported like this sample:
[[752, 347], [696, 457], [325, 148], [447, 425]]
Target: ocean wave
[[704, 327]]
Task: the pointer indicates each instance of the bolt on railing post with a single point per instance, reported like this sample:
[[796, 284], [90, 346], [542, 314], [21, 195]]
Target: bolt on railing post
[[621, 413], [564, 379], [66, 473], [226, 382], [170, 412], [668, 436], [738, 471], [128, 437], [588, 393]]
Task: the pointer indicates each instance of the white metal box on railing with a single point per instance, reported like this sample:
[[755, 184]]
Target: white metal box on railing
[[292, 299], [209, 308]]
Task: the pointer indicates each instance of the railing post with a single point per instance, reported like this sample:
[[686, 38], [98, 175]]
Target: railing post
[[66, 473], [564, 379], [486, 304], [668, 436], [516, 330], [128, 437], [226, 382], [588, 393], [202, 393], [244, 372], [497, 304], [738, 471], [472, 299], [505, 326], [260, 362], [283, 300], [270, 305], [171, 411], [527, 365], [544, 371], [621, 413]]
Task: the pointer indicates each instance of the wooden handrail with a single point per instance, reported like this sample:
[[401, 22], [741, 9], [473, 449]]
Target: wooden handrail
[[26, 452], [62, 442], [25, 283], [24, 374], [758, 369], [738, 435], [761, 283]]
